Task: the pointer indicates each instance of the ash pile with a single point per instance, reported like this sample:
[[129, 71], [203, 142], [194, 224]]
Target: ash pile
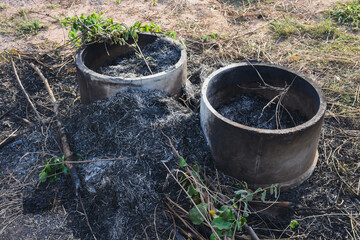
[[124, 197]]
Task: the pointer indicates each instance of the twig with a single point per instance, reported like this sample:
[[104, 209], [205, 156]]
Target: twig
[[193, 230], [251, 232], [64, 143], [86, 217], [156, 233], [10, 138], [26, 95], [142, 55], [197, 208], [2, 116], [84, 161]]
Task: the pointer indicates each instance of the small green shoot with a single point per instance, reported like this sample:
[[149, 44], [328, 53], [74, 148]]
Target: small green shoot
[[294, 224], [210, 37], [52, 6], [53, 167]]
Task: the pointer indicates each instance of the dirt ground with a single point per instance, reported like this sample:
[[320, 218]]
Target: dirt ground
[[126, 196]]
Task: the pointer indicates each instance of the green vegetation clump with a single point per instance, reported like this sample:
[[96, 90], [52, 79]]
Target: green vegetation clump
[[95, 28], [53, 167], [226, 215], [347, 13], [30, 27], [284, 28], [19, 24], [290, 26]]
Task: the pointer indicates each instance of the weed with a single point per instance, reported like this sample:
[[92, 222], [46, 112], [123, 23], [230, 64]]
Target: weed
[[291, 26], [95, 28], [225, 215], [18, 24], [152, 1], [210, 36], [294, 224], [54, 167], [347, 13], [52, 6], [22, 12], [31, 27], [285, 28], [3, 7]]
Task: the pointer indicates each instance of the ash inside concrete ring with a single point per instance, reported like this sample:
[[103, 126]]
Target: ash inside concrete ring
[[161, 56]]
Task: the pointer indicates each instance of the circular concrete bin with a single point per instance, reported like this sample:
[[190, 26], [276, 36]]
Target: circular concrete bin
[[262, 157], [95, 86]]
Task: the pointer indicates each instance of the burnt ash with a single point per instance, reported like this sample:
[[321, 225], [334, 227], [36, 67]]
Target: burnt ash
[[123, 196], [249, 109], [161, 56]]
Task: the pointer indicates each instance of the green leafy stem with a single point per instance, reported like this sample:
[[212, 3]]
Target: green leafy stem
[[226, 215]]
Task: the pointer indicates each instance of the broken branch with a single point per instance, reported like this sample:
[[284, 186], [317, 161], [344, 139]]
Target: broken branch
[[25, 93], [64, 142]]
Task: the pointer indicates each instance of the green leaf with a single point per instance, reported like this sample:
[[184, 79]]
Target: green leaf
[[263, 195], [182, 162], [65, 170], [195, 216], [213, 237], [240, 223], [220, 224], [294, 224], [227, 213], [219, 233], [193, 193], [42, 176]]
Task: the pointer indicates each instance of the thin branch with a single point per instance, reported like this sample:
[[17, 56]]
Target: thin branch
[[251, 232], [26, 95], [197, 208], [87, 219], [64, 142]]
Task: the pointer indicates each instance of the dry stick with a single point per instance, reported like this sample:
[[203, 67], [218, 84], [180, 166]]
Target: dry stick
[[197, 208], [84, 161], [64, 143], [251, 232], [193, 230], [2, 116], [24, 91], [156, 233], [86, 217]]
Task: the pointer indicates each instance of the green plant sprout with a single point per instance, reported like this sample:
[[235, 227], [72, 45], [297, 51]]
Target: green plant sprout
[[293, 224], [54, 167]]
